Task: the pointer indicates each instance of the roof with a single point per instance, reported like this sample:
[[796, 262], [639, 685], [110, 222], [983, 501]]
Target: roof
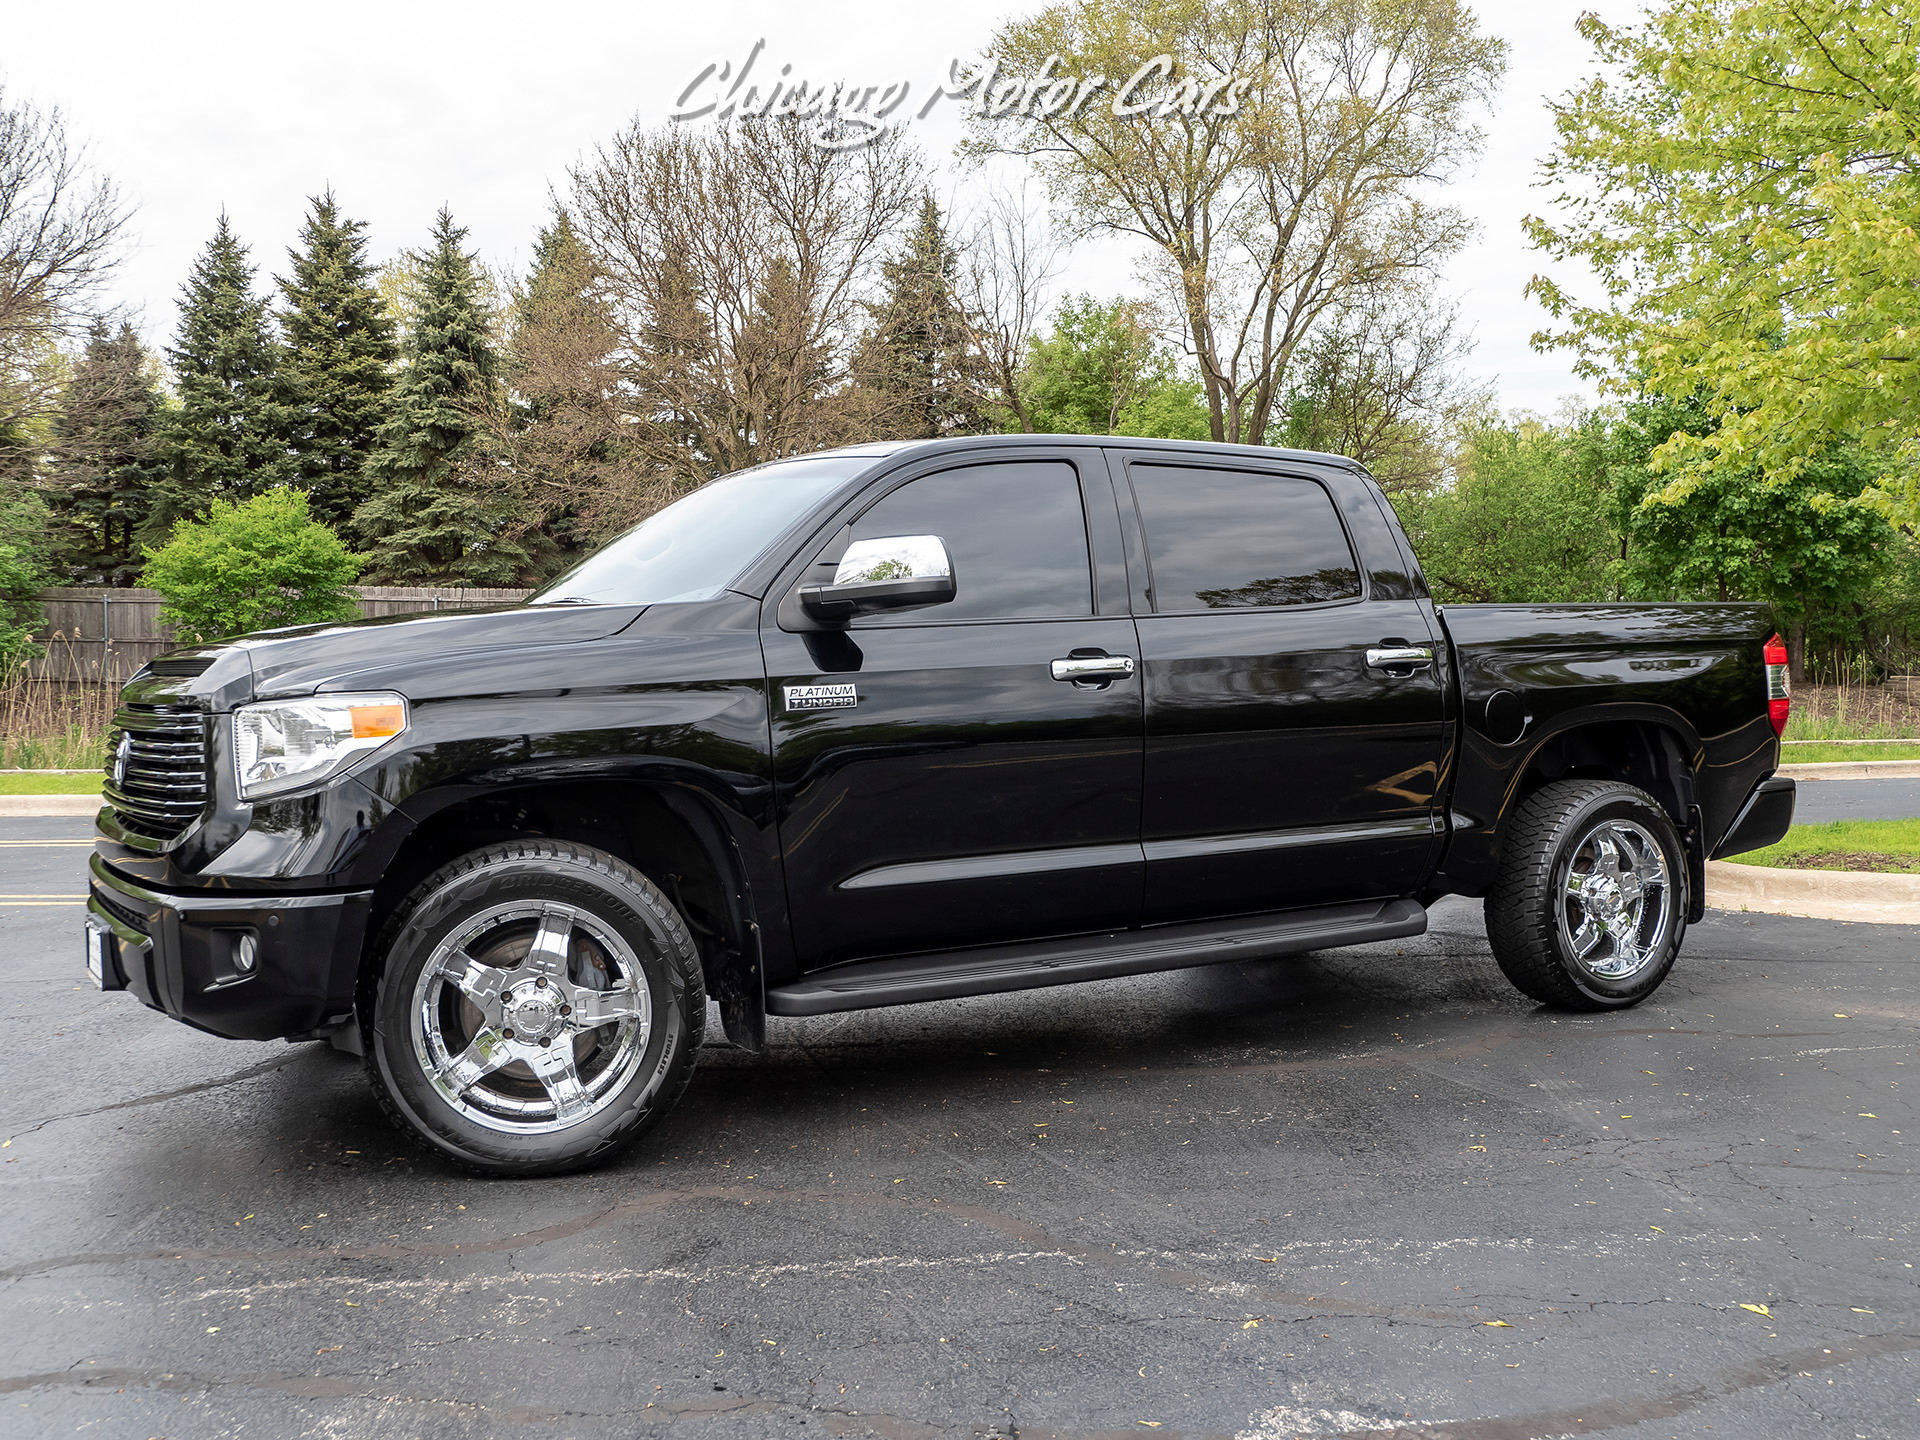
[[881, 448]]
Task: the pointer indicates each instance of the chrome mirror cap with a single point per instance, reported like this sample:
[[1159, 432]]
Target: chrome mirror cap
[[899, 557], [898, 572]]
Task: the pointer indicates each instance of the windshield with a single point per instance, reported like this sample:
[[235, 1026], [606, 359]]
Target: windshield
[[693, 549]]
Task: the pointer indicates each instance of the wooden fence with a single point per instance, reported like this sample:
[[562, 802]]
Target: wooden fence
[[101, 635]]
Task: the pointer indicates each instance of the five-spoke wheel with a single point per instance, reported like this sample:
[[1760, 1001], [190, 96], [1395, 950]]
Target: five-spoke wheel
[[1589, 906], [539, 1008], [1618, 895], [530, 1019]]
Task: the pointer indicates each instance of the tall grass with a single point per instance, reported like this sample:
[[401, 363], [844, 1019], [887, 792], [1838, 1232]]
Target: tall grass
[[1853, 712], [55, 710]]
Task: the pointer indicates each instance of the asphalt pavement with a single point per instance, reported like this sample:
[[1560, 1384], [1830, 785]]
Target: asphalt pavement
[[1368, 1193], [1816, 801]]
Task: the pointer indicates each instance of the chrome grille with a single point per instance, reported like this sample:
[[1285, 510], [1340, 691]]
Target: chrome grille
[[163, 788]]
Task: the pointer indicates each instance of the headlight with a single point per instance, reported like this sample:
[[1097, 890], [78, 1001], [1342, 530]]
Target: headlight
[[294, 744]]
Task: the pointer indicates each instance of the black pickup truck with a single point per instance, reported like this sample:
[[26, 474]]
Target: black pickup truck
[[896, 723]]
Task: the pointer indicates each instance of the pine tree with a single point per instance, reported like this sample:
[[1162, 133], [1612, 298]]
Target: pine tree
[[431, 517], [230, 437], [102, 460], [338, 360], [921, 366]]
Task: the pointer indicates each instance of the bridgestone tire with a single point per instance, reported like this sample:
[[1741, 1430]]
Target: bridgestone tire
[[608, 912], [1533, 917]]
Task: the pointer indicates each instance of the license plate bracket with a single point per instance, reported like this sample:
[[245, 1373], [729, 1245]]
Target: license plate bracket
[[103, 955]]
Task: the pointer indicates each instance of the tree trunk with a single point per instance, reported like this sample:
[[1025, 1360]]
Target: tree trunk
[[1797, 651]]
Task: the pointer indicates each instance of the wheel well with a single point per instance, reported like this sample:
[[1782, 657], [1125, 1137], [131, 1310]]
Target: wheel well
[[668, 836], [1650, 756]]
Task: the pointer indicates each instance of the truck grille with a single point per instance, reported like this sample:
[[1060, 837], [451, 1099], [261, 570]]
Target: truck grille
[[162, 788]]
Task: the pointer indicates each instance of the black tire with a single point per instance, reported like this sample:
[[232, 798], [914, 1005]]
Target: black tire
[[1536, 926], [605, 919]]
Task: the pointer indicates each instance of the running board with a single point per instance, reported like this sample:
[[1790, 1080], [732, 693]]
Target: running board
[[867, 984]]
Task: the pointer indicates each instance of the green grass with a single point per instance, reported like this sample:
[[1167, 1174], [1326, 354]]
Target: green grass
[[50, 784], [1892, 845], [1825, 754]]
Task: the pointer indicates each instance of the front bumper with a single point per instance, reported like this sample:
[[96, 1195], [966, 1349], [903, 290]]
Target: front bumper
[[251, 967]]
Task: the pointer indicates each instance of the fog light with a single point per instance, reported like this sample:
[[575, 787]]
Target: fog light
[[247, 953]]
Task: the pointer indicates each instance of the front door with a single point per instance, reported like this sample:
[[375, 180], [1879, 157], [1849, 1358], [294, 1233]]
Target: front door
[[958, 793], [1285, 764]]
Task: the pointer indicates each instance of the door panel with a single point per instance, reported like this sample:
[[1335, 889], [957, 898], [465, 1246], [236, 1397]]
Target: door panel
[[966, 796], [1281, 769]]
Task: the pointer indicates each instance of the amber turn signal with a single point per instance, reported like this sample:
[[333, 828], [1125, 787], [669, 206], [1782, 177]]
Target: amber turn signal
[[374, 721]]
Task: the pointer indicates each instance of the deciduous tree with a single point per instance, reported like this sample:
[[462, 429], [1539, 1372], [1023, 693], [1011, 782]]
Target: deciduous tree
[[61, 227], [1010, 262], [1379, 381], [1744, 178], [23, 571], [1263, 205], [1103, 370], [736, 262], [1523, 517], [1810, 542], [570, 467]]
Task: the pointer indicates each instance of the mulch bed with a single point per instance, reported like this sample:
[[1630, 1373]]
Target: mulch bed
[[1860, 860]]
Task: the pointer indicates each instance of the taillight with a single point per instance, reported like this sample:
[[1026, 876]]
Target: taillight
[[1779, 698]]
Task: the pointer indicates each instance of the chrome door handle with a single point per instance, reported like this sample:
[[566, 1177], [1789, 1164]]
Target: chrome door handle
[[1093, 667], [1385, 657]]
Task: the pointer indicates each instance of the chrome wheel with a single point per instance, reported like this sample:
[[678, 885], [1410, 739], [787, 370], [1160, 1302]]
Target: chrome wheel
[[531, 1017], [1617, 900]]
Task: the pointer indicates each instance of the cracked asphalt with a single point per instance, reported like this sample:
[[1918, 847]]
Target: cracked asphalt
[[1370, 1193]]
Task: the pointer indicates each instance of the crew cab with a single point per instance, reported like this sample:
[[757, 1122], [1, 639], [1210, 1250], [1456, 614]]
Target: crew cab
[[899, 723]]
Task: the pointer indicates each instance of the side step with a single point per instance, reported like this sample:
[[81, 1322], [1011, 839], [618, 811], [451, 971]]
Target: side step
[[867, 984]]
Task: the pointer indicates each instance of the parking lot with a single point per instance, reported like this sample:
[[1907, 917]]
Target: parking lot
[[1371, 1192]]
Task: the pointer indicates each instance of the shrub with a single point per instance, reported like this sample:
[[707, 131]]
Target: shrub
[[252, 566]]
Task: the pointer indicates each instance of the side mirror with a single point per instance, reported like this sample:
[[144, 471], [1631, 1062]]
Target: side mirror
[[900, 572]]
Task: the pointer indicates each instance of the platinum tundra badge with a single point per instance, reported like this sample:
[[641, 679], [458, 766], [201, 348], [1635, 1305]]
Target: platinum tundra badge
[[821, 697]]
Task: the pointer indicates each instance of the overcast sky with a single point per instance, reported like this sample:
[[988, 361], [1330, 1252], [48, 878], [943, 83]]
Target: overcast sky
[[404, 107]]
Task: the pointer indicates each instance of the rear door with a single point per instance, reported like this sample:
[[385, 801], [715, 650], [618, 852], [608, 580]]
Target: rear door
[[1286, 764], [958, 794]]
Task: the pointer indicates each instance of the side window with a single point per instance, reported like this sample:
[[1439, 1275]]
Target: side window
[[1223, 539], [1015, 532]]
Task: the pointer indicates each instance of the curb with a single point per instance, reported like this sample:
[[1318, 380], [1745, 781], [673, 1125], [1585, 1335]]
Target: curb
[[16, 807], [1852, 770], [1815, 894]]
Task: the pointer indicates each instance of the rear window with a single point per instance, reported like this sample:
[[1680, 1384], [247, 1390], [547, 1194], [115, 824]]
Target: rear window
[[1234, 539]]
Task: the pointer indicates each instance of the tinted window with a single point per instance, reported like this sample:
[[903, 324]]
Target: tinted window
[[697, 546], [1220, 539], [1015, 532]]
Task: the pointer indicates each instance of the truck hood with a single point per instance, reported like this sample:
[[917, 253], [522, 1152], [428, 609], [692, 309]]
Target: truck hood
[[366, 654]]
